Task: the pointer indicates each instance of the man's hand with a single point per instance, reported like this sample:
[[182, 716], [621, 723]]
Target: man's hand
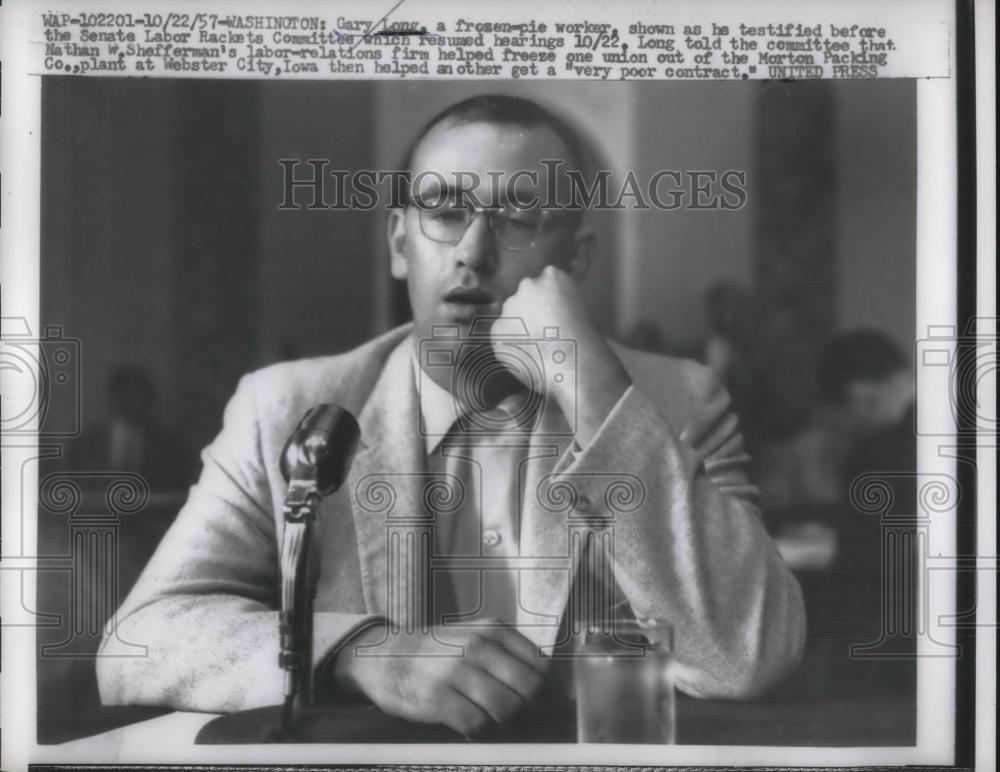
[[498, 674], [552, 300]]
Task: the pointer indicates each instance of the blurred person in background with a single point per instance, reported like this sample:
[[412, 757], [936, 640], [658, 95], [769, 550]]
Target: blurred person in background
[[133, 438], [863, 426], [866, 387]]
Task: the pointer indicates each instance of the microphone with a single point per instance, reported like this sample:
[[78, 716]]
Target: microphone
[[314, 463], [323, 444]]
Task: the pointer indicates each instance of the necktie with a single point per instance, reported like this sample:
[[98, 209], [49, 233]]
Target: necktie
[[478, 540]]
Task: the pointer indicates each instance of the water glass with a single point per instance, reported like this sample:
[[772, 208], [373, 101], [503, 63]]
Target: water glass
[[624, 683]]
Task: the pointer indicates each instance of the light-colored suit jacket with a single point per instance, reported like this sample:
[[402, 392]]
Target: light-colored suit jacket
[[666, 475]]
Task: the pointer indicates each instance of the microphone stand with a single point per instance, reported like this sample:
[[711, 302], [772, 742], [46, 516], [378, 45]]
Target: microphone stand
[[314, 462], [297, 592]]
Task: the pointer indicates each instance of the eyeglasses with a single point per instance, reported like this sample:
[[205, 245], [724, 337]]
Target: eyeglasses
[[514, 229]]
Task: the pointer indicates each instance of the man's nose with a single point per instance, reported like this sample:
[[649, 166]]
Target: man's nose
[[477, 249]]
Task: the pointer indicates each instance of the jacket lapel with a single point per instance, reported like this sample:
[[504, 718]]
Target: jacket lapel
[[546, 542], [385, 485]]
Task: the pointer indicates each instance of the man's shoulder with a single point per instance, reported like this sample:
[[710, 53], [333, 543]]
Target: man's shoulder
[[677, 372], [682, 386], [345, 378]]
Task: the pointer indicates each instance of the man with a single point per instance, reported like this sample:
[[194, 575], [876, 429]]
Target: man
[[635, 457], [867, 387], [133, 439]]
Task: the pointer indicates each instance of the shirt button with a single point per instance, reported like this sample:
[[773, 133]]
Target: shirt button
[[491, 538]]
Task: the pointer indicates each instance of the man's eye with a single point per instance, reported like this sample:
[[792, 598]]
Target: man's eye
[[447, 214], [520, 219]]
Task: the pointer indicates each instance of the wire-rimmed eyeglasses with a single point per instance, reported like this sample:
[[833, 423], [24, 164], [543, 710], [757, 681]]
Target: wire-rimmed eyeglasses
[[513, 228]]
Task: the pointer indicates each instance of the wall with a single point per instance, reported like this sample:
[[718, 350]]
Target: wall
[[678, 254], [107, 256], [876, 206], [162, 243], [317, 274]]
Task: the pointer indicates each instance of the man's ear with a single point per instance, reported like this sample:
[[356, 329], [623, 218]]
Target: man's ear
[[396, 235], [584, 243]]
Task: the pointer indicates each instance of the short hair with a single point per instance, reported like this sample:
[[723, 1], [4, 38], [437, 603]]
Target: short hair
[[860, 355], [504, 110]]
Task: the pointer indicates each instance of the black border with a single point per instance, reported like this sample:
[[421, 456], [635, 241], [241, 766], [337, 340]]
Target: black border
[[966, 259]]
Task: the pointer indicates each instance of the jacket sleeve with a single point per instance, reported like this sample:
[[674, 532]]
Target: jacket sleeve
[[693, 550], [205, 607]]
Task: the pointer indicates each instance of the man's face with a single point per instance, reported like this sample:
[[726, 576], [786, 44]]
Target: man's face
[[878, 404], [453, 283]]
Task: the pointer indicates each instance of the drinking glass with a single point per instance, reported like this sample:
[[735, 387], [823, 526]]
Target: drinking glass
[[624, 683]]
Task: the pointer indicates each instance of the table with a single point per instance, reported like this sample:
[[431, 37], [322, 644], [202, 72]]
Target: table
[[883, 720]]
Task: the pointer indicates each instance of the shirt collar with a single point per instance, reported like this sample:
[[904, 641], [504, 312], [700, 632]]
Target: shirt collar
[[439, 410]]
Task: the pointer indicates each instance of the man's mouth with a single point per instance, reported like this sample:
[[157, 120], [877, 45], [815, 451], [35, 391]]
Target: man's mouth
[[468, 296]]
